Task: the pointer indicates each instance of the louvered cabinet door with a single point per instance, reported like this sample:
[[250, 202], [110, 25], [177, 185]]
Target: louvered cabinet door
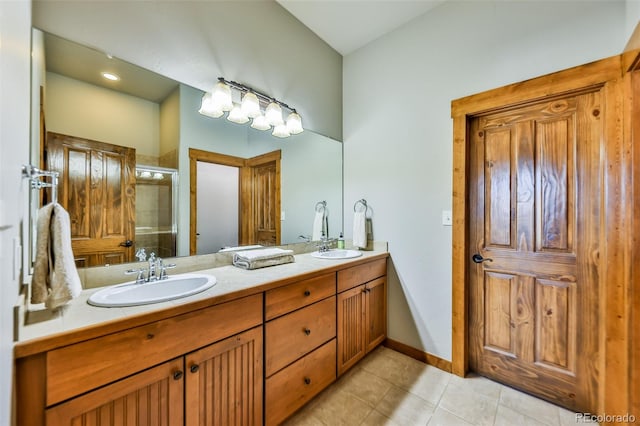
[[153, 397], [224, 382], [351, 327], [376, 313]]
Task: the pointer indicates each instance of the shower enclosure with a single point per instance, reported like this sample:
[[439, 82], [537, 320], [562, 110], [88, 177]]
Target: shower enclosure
[[156, 198]]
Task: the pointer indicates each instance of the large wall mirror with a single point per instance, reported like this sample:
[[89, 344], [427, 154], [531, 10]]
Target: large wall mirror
[[74, 108]]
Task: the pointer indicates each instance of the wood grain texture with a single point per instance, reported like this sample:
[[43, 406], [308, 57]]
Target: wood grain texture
[[291, 388], [351, 328], [355, 276], [419, 355], [259, 189], [30, 382], [538, 355], [133, 350], [151, 398], [615, 274], [376, 313], [634, 130], [224, 382], [283, 300], [292, 336], [97, 188]]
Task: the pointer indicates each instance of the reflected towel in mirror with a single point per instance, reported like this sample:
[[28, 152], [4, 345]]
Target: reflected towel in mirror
[[254, 259], [316, 234]]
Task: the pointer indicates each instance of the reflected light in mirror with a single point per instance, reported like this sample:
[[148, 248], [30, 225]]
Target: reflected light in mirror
[[250, 105], [260, 123], [273, 114], [281, 131], [237, 116], [294, 123], [221, 97], [110, 76], [208, 108]]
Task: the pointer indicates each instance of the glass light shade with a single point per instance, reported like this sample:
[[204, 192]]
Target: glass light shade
[[250, 105], [294, 123], [273, 114], [207, 108], [221, 97], [237, 116], [281, 131], [260, 123]]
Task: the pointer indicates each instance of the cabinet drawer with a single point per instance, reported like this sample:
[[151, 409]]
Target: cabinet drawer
[[77, 368], [294, 386], [285, 299], [349, 278], [294, 335]]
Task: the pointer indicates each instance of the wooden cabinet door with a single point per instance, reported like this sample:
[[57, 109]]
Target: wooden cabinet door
[[535, 220], [376, 313], [224, 382], [351, 327], [97, 188], [153, 397]]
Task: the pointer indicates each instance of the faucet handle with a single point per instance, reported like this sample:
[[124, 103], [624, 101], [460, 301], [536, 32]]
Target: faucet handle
[[163, 269], [140, 272], [152, 257]]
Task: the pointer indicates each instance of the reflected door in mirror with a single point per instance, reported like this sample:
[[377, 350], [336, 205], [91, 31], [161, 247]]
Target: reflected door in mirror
[[97, 188]]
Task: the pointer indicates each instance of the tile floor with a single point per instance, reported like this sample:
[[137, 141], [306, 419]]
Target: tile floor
[[389, 388]]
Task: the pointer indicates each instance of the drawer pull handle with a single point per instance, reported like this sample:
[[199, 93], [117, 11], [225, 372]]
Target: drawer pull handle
[[194, 368], [307, 293], [307, 381], [307, 331], [177, 375]]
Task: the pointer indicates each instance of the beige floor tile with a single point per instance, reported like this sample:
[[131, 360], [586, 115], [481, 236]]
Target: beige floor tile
[[376, 419], [478, 384], [530, 406], [509, 417], [442, 417], [364, 386], [337, 408], [471, 406], [430, 384], [405, 408]]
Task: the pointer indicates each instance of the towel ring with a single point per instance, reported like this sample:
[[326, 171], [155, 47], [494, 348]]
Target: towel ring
[[361, 202], [321, 206]]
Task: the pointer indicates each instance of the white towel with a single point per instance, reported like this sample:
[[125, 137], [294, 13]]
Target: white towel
[[55, 277], [359, 229], [317, 226]]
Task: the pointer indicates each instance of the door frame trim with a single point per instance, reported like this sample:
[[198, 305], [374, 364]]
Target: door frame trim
[[616, 248]]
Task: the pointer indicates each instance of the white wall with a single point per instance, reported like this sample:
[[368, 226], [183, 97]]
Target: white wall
[[397, 147], [15, 37], [75, 108], [632, 17], [257, 43]]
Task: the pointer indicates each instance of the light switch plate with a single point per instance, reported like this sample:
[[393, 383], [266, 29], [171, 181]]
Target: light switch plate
[[282, 215], [447, 219]]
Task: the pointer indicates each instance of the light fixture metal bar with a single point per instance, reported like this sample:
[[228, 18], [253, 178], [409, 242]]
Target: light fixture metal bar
[[244, 88]]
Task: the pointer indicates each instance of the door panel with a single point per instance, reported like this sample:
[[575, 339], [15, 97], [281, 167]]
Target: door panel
[[97, 188], [534, 300]]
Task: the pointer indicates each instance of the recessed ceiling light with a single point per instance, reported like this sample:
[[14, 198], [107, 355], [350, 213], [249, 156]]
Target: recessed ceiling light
[[110, 76]]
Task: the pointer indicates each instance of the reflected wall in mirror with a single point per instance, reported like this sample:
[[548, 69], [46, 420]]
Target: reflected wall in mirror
[[159, 118]]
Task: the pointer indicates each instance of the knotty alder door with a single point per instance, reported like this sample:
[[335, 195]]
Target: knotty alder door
[[534, 227], [97, 188]]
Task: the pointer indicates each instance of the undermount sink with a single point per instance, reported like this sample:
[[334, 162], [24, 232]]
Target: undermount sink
[[337, 254], [132, 294]]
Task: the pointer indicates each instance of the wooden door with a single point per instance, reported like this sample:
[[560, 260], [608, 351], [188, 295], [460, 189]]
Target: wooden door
[[97, 188], [224, 382], [376, 313], [351, 327], [534, 219], [265, 198], [152, 398]]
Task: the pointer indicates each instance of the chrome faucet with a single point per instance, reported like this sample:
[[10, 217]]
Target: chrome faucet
[[151, 276], [326, 243]]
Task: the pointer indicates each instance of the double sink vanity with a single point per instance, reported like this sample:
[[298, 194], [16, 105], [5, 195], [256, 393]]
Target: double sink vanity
[[251, 349]]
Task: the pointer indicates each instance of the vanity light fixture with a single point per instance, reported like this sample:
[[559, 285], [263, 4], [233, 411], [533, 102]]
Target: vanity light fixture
[[220, 100]]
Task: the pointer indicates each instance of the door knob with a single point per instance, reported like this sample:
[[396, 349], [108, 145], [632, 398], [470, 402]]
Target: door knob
[[477, 258], [126, 243]]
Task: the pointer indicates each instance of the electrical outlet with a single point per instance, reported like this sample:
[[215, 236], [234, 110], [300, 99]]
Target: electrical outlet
[[447, 219], [282, 215]]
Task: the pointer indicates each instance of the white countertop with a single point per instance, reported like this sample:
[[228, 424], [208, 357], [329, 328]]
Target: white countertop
[[232, 282]]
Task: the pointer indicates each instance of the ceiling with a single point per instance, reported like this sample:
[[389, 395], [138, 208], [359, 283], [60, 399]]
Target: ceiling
[[347, 25]]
